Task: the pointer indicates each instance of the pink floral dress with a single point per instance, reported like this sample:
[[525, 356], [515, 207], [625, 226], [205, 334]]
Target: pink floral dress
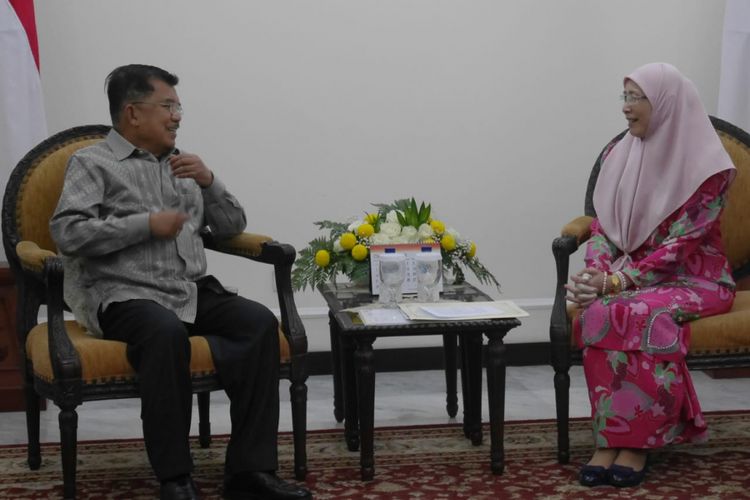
[[634, 343]]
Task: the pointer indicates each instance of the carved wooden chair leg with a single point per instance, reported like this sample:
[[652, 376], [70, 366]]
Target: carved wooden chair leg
[[298, 394], [204, 419], [68, 420], [562, 387], [34, 450]]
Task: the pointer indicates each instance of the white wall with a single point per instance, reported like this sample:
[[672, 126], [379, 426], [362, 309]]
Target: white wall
[[493, 111]]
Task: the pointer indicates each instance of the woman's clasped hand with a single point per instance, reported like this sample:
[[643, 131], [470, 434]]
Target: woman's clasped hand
[[585, 286]]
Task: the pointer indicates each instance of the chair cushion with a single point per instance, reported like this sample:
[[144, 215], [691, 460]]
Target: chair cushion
[[104, 361], [41, 190], [735, 232], [721, 334]]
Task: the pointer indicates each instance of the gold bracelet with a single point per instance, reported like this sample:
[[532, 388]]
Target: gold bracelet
[[616, 283]]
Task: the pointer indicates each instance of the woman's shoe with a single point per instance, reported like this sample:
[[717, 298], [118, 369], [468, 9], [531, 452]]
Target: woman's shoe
[[593, 475], [622, 476]]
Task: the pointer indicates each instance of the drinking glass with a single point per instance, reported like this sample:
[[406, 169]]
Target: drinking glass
[[392, 275], [429, 268]]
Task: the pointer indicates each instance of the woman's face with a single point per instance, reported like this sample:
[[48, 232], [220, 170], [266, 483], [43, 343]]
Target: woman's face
[[636, 108]]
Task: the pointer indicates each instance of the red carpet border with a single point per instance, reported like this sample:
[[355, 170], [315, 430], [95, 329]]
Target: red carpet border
[[430, 462]]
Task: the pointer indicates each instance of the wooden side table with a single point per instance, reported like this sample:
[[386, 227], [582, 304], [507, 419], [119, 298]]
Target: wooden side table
[[11, 374], [352, 347]]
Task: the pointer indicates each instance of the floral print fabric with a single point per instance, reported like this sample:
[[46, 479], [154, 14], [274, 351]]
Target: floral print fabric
[[634, 343]]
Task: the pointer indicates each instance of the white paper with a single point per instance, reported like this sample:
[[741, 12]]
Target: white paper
[[382, 316], [459, 310], [447, 311]]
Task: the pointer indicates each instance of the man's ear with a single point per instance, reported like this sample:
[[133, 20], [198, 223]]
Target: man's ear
[[130, 115]]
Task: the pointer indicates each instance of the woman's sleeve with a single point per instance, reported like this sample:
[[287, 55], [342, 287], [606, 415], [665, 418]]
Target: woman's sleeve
[[693, 222], [600, 252]]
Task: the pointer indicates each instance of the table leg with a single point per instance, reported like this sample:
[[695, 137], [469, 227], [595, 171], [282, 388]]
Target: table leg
[[363, 359], [338, 408], [472, 364], [449, 351], [496, 363], [464, 386], [349, 389]]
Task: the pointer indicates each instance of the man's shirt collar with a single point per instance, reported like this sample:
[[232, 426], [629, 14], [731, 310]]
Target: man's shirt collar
[[122, 148]]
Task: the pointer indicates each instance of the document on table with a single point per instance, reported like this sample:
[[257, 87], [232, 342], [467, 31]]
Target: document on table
[[381, 316], [456, 311]]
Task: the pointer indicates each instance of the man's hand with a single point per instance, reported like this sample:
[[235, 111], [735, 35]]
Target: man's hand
[[166, 224], [187, 166]]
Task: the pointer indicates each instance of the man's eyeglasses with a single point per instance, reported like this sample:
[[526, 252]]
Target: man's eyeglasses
[[174, 108], [631, 98]]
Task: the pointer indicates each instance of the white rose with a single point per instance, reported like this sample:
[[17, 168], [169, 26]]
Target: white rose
[[337, 245], [391, 217], [425, 231], [453, 233], [380, 239], [390, 229], [409, 233]]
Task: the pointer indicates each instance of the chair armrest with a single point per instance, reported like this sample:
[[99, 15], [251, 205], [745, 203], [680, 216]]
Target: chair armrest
[[47, 267], [247, 245], [574, 233], [281, 255], [32, 257], [580, 227]]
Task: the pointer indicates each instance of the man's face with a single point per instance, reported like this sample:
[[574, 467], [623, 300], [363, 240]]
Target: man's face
[[152, 122]]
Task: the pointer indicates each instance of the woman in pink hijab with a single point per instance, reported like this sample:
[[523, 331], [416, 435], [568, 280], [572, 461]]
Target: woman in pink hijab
[[655, 260]]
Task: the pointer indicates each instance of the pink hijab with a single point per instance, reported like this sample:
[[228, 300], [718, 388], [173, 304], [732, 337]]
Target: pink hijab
[[643, 181]]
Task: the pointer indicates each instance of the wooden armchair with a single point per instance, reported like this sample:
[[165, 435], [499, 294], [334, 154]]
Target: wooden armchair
[[63, 362], [717, 342]]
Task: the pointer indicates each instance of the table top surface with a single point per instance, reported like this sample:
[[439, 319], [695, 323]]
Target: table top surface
[[348, 295]]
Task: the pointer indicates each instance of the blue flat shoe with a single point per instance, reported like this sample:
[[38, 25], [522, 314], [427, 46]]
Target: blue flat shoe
[[623, 477], [593, 475]]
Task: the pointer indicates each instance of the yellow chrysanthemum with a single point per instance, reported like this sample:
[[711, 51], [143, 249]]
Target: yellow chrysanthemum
[[359, 252], [448, 242], [365, 230], [322, 258], [472, 250], [372, 218], [347, 241], [437, 226]]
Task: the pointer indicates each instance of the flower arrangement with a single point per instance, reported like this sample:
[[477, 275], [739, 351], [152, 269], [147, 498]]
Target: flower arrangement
[[346, 248]]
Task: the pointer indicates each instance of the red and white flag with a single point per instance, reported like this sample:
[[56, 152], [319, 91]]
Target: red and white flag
[[22, 121]]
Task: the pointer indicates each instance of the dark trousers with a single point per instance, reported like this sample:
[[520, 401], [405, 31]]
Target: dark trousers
[[243, 336]]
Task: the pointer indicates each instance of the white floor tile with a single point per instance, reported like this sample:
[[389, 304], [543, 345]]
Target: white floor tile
[[405, 398]]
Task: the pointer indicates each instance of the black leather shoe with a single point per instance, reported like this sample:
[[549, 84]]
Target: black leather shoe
[[180, 489], [262, 485], [622, 476], [592, 475]]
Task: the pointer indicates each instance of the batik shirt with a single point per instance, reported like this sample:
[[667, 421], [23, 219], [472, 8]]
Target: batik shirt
[[101, 228]]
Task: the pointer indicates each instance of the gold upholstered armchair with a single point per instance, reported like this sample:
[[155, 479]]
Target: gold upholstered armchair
[[63, 362], [717, 342]]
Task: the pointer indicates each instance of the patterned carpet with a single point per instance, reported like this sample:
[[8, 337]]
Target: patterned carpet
[[431, 462]]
